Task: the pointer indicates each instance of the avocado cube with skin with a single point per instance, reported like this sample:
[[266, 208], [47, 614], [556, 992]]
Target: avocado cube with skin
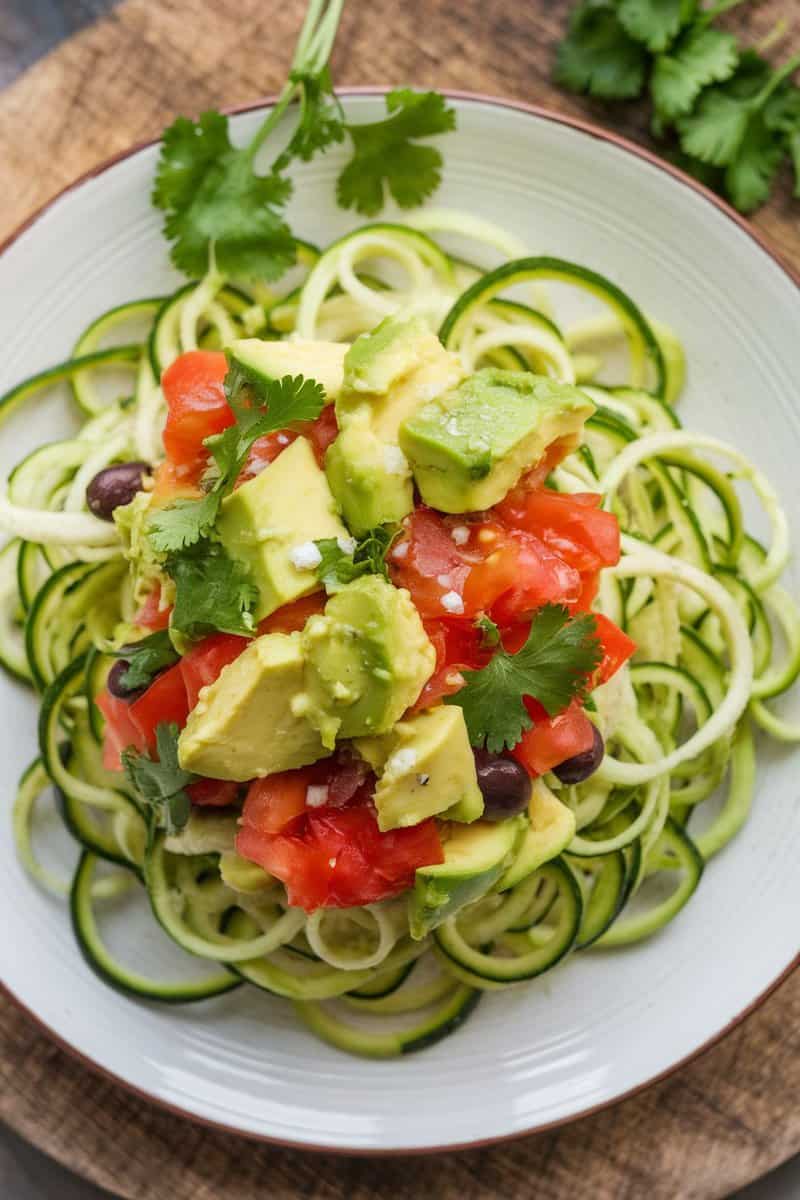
[[271, 523], [425, 768], [245, 724], [367, 659], [263, 362], [469, 447]]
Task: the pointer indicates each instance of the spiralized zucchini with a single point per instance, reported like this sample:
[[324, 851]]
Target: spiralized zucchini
[[718, 638]]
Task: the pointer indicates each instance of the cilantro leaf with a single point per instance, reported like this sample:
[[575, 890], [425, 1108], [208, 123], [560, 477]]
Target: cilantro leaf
[[655, 22], [182, 524], [705, 56], [341, 564], [321, 120], [161, 783], [211, 196], [597, 55], [146, 658], [553, 667], [212, 591], [748, 178], [385, 153]]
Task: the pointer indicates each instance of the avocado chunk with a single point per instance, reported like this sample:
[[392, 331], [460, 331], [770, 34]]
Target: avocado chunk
[[387, 375], [469, 447], [244, 725], [262, 362], [370, 479], [271, 522], [475, 856], [425, 768], [367, 659], [551, 829]]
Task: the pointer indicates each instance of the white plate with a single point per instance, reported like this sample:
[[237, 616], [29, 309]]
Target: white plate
[[603, 1024]]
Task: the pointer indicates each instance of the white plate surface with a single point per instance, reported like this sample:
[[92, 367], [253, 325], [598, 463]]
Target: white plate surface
[[602, 1024]]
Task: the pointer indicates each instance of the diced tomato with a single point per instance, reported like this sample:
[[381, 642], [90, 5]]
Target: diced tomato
[[552, 740], [263, 452], [151, 615], [119, 732], [332, 855], [292, 617], [573, 526], [428, 562], [164, 701], [204, 662], [197, 408], [444, 682], [542, 577], [213, 793], [617, 647], [323, 431]]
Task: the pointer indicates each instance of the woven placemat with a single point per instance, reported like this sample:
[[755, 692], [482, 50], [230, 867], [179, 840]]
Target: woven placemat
[[719, 1122]]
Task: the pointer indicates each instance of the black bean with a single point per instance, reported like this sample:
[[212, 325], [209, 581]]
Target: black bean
[[115, 486], [115, 685], [504, 784], [581, 766]]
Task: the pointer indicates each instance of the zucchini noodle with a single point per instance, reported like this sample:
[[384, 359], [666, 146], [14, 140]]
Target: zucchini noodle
[[603, 863]]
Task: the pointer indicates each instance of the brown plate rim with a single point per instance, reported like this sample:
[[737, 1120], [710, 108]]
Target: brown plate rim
[[641, 152]]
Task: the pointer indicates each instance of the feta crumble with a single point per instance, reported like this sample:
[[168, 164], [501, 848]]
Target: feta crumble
[[347, 545], [316, 795], [400, 551], [444, 581], [452, 602], [460, 534], [305, 556]]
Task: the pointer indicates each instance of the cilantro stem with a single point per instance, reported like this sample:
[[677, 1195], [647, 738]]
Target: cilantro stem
[[775, 81], [312, 51]]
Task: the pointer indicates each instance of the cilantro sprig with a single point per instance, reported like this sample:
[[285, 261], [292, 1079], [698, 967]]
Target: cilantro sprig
[[731, 119], [341, 563], [260, 407], [216, 202], [145, 659], [554, 667], [213, 590], [161, 783]]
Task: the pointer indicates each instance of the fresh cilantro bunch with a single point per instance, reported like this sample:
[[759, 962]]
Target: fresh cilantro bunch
[[212, 590], [161, 784], [145, 659], [342, 563], [732, 119], [215, 200], [554, 667]]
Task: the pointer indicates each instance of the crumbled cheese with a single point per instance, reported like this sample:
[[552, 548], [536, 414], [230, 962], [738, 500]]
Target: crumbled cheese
[[282, 439], [460, 534], [347, 545], [305, 556], [444, 581], [400, 551], [452, 602], [331, 863], [401, 762], [394, 461], [316, 795]]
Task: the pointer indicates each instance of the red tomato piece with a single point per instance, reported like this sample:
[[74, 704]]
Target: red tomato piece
[[213, 793], [323, 431], [119, 731], [542, 577], [263, 452], [330, 855], [204, 662], [617, 647], [165, 701], [445, 682], [292, 617], [552, 740], [573, 526], [151, 615], [197, 407], [428, 562]]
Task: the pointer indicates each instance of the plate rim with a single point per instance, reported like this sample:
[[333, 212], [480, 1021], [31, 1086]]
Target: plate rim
[[599, 133]]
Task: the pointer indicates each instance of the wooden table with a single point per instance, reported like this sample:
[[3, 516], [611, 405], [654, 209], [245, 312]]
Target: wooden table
[[725, 1119]]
